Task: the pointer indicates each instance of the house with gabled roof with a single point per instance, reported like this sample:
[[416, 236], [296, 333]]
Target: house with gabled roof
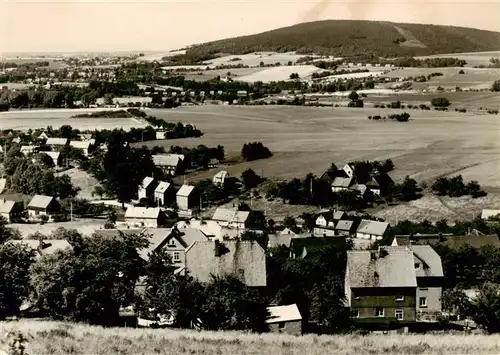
[[29, 149], [11, 210], [284, 319], [41, 205], [173, 241], [381, 285], [84, 146], [170, 163], [349, 169], [220, 178], [145, 217], [328, 217], [231, 217], [56, 142], [164, 193], [55, 156], [488, 213], [147, 188], [342, 184], [245, 260], [372, 230], [187, 198], [346, 228]]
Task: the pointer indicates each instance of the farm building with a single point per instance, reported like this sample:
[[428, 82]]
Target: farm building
[[381, 284], [328, 218], [187, 197], [210, 228], [285, 319], [163, 193], [11, 210], [144, 217], [220, 178], [174, 241], [55, 156], [84, 146], [486, 214], [147, 188], [41, 205], [372, 230], [170, 163], [345, 228], [161, 135], [349, 170], [29, 149], [231, 218], [342, 184], [246, 260], [57, 142], [44, 247]]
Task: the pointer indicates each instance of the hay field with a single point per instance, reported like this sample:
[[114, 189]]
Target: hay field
[[280, 73], [308, 139], [26, 119], [62, 338], [473, 78], [254, 59], [205, 75], [473, 59]]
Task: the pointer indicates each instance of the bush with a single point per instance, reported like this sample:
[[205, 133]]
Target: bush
[[440, 102], [255, 151], [461, 71], [356, 104], [496, 86]]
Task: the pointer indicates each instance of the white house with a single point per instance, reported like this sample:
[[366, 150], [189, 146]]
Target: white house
[[144, 217], [169, 163], [187, 198], [486, 214], [147, 188], [55, 156], [231, 218], [342, 184], [162, 192], [219, 178], [84, 146], [41, 205], [29, 149], [372, 230], [56, 142]]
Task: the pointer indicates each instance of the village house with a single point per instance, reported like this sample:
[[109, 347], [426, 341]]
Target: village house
[[220, 178], [245, 260], [29, 149], [41, 205], [164, 193], [430, 278], [487, 214], [57, 143], [210, 228], [349, 170], [346, 228], [342, 184], [328, 218], [144, 217], [55, 156], [12, 211], [84, 146], [452, 241], [173, 241], [381, 284], [284, 319], [231, 217], [171, 164], [44, 247], [187, 198], [43, 136], [147, 188], [372, 230]]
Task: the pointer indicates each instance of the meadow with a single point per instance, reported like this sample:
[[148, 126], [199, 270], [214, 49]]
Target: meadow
[[63, 338], [26, 119], [308, 139]]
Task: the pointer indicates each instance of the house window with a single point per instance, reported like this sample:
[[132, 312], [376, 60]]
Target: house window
[[400, 298], [171, 243], [399, 314], [423, 288], [422, 302], [281, 325], [379, 312], [177, 257], [417, 265]]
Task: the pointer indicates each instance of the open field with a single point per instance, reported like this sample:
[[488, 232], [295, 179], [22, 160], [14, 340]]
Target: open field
[[281, 73], [236, 73], [82, 225], [474, 78], [473, 59], [26, 119], [254, 59], [308, 139], [62, 338], [83, 180]]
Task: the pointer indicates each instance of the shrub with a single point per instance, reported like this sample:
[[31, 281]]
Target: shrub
[[440, 102], [255, 151], [356, 104], [461, 71], [496, 86]]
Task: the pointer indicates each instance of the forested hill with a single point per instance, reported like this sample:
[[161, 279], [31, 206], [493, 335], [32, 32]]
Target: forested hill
[[349, 38]]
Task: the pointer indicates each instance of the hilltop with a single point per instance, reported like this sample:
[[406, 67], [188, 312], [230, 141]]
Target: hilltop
[[349, 38]]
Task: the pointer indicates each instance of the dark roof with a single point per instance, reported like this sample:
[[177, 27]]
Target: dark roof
[[457, 241], [306, 246]]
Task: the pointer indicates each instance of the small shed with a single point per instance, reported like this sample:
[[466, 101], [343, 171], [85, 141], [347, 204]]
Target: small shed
[[285, 319]]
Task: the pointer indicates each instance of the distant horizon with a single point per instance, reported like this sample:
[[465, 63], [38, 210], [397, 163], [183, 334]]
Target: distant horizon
[[73, 26]]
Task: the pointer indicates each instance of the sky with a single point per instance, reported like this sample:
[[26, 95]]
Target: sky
[[161, 25]]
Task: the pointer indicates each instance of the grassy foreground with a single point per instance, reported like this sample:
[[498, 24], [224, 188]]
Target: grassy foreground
[[61, 338]]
